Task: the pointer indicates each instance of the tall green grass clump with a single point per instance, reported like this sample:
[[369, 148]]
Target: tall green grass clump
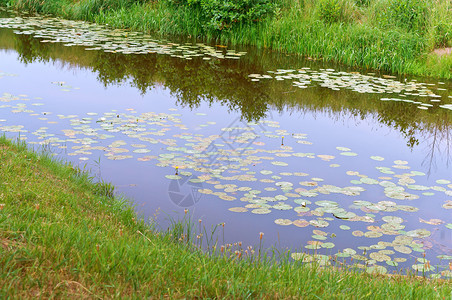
[[410, 15]]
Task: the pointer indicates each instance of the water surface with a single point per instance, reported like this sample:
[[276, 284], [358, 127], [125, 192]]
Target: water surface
[[318, 157]]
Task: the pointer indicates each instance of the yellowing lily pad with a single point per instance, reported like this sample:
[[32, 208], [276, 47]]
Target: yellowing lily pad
[[284, 222], [261, 211], [300, 223], [238, 209]]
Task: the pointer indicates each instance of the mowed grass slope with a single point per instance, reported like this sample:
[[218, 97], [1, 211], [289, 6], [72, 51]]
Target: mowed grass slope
[[62, 235]]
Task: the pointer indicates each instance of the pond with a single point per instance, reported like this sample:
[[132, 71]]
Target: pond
[[321, 158]]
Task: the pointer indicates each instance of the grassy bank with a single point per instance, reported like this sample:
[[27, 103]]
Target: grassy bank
[[62, 235], [390, 35]]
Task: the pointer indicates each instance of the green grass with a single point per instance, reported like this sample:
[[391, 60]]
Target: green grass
[[63, 235], [389, 35]]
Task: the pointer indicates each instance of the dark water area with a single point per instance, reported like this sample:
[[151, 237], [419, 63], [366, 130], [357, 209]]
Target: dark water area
[[318, 157]]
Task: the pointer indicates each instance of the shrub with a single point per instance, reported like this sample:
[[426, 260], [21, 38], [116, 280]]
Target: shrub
[[224, 14]]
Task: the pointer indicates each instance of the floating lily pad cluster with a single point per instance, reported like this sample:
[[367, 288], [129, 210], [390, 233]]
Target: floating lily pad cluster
[[99, 37], [257, 166], [363, 83], [246, 163]]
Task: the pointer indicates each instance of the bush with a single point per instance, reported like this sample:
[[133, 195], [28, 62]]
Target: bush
[[224, 14]]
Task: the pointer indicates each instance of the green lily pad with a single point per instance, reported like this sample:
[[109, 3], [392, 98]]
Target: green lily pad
[[443, 181], [348, 154], [327, 245], [392, 263], [377, 158], [343, 148], [403, 249], [367, 180], [419, 233], [392, 219]]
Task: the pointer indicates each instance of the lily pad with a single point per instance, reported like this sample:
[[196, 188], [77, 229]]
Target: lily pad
[[284, 222], [261, 211], [327, 245], [238, 209], [300, 223]]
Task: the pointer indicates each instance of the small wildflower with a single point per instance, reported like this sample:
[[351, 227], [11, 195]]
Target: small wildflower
[[97, 247], [186, 211], [2, 205], [240, 244], [120, 232], [222, 249], [261, 235], [37, 206]]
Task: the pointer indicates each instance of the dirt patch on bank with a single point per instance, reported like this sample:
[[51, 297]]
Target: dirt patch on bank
[[443, 51]]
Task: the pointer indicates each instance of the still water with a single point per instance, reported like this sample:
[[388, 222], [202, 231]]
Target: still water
[[320, 158]]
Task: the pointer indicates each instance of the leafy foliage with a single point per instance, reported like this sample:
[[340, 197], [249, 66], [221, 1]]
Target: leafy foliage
[[224, 14]]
